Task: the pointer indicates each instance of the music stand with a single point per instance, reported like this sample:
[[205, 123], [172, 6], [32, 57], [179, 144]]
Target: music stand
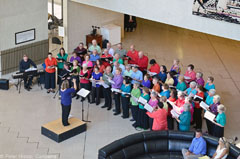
[[83, 93]]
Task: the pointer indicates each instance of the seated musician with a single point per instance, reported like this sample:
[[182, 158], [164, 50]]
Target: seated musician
[[132, 55], [81, 51], [142, 62], [106, 58], [94, 46], [25, 64], [154, 66], [94, 56], [190, 73], [75, 57]]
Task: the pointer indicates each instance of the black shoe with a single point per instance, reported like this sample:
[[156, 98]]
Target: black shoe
[[82, 99], [116, 113], [132, 120], [134, 124], [124, 117], [27, 88], [104, 106], [109, 108], [66, 124], [92, 102], [30, 87], [77, 97], [48, 91], [53, 91]]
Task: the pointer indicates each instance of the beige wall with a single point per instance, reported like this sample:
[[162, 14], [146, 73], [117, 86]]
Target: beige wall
[[20, 15], [81, 17], [173, 12]]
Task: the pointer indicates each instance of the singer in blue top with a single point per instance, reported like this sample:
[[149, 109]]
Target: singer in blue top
[[125, 98], [66, 99], [96, 76]]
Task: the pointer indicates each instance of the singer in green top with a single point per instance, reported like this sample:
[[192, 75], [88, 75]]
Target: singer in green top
[[134, 105], [61, 58]]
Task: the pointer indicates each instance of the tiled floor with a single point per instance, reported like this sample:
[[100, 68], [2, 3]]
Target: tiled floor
[[21, 115]]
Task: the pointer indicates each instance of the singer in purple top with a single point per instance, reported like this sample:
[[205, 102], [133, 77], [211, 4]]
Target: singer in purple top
[[75, 57], [118, 80], [146, 81]]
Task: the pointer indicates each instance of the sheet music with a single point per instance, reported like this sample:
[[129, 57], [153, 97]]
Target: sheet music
[[115, 90], [135, 99], [111, 81], [210, 116], [103, 84], [151, 73], [31, 69], [174, 113], [196, 96], [187, 78], [176, 108], [148, 107], [204, 105], [191, 95], [142, 100], [125, 93], [83, 92]]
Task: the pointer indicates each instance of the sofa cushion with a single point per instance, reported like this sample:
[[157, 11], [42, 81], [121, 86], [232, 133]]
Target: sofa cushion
[[157, 145], [134, 150], [110, 148], [175, 145]]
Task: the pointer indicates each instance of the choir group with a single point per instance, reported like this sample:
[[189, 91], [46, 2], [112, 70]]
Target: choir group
[[156, 96]]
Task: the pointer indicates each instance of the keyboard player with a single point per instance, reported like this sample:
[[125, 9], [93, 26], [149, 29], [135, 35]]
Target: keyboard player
[[25, 64]]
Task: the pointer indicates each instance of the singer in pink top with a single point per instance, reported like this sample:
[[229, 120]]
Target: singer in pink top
[[159, 118], [190, 73]]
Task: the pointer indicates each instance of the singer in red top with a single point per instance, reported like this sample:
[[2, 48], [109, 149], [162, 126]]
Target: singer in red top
[[154, 66], [142, 61], [105, 61], [84, 79], [132, 55], [51, 64]]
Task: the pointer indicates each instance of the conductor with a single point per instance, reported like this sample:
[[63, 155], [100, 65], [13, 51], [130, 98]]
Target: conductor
[[66, 99]]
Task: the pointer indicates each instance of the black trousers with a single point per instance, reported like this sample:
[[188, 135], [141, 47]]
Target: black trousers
[[108, 97], [197, 116], [59, 71], [87, 87], [117, 102], [210, 127], [134, 110], [142, 119], [96, 94], [27, 81], [65, 113], [218, 131], [170, 121], [150, 123], [50, 80], [125, 106]]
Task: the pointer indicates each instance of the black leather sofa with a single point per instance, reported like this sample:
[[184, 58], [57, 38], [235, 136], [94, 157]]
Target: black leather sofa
[[158, 145]]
